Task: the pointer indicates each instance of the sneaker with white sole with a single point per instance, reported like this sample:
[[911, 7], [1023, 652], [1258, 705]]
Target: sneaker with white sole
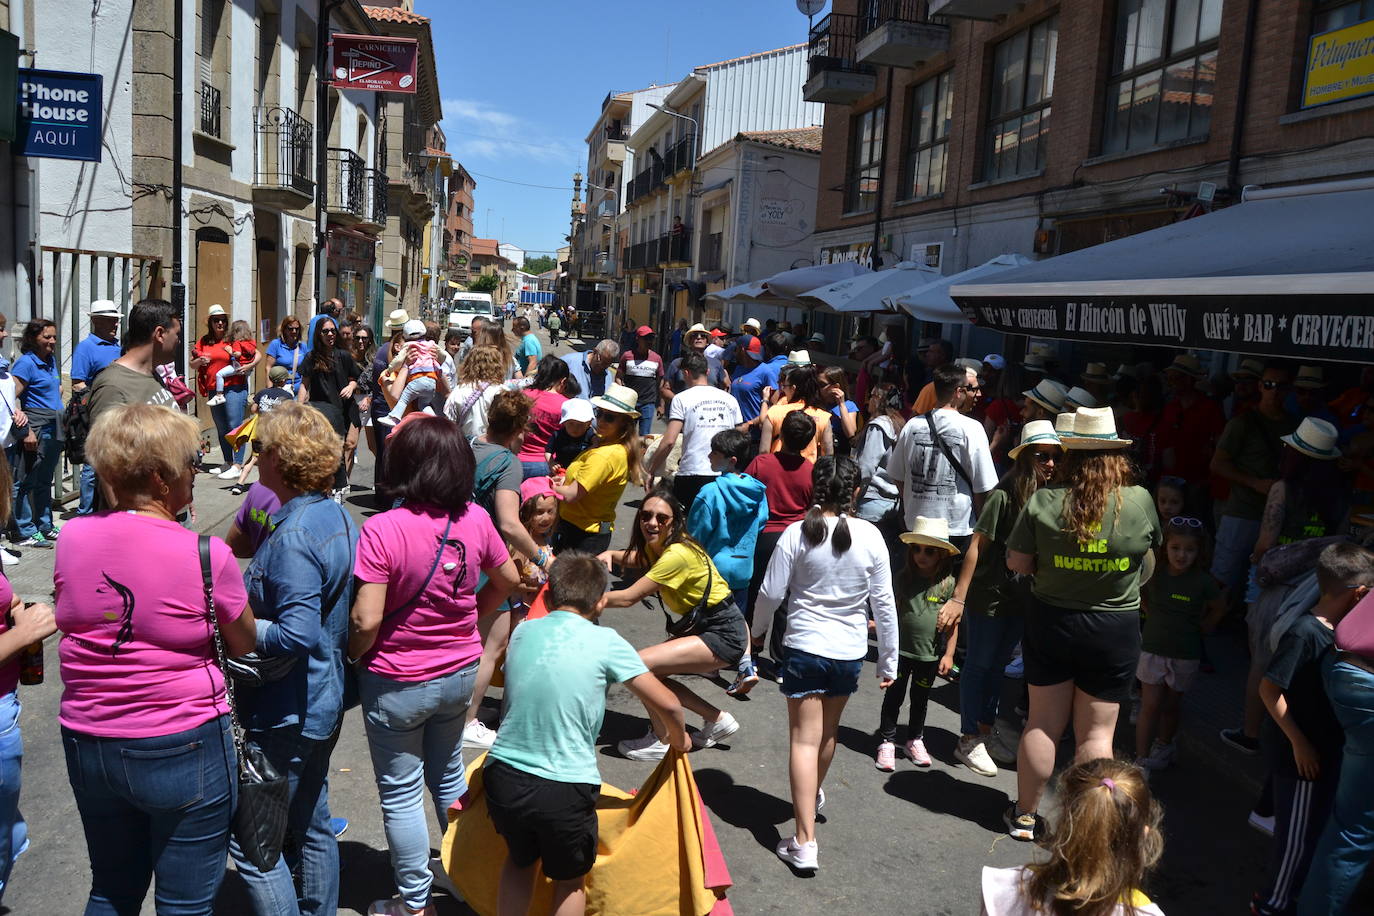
[[394, 907], [801, 856], [477, 735], [387, 420], [215, 401], [744, 682], [36, 541], [916, 752], [1261, 823], [820, 800], [230, 472], [886, 758], [1024, 827], [8, 557], [712, 733], [972, 754], [645, 748]]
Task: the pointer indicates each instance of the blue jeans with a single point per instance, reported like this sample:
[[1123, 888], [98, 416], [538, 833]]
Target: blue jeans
[[154, 806], [988, 645], [646, 421], [418, 391], [14, 833], [534, 469], [33, 472], [87, 490], [415, 733], [228, 416], [1345, 848], [305, 762]]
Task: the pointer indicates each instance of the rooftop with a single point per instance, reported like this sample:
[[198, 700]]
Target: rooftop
[[801, 139], [732, 60], [395, 14]]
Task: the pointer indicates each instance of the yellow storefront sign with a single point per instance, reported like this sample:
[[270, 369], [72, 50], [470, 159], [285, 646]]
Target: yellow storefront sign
[[1340, 65]]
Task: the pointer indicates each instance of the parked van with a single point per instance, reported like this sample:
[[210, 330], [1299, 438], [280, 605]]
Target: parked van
[[466, 306]]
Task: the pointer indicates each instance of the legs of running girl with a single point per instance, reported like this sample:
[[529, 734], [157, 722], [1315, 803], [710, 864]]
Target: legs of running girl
[[813, 722]]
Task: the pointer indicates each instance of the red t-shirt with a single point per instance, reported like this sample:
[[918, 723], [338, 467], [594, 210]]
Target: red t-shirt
[[788, 482], [1192, 433], [545, 414], [219, 356]]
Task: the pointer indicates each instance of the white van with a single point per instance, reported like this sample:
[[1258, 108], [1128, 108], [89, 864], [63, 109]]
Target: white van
[[466, 306]]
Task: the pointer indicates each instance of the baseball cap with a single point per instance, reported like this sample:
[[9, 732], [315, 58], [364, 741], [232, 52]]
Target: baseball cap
[[995, 361], [755, 346], [278, 373], [818, 337], [536, 486], [414, 327], [751, 323], [644, 331], [717, 332], [577, 409]]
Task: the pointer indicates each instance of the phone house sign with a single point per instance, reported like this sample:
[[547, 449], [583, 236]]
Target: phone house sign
[[59, 115]]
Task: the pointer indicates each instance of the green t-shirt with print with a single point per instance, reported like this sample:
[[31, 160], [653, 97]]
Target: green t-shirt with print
[[1252, 441], [1176, 606], [987, 591], [1099, 574], [918, 605]]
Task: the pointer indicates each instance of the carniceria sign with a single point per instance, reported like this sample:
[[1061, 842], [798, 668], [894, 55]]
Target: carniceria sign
[[60, 115]]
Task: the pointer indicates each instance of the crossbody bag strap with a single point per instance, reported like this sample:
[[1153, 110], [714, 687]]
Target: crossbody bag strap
[[221, 657], [705, 595], [945, 450], [472, 399], [438, 555]]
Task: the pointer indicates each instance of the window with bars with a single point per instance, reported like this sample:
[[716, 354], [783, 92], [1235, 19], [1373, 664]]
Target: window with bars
[[865, 160], [927, 138], [1022, 87], [1164, 64]]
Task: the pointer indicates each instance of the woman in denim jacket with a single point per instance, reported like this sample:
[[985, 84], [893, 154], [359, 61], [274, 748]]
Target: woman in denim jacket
[[299, 586]]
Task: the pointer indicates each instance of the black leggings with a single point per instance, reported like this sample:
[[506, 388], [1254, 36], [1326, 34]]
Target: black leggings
[[921, 675]]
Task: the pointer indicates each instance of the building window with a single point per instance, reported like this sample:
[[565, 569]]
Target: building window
[[865, 161], [928, 138], [1164, 67], [1022, 86], [1337, 14]]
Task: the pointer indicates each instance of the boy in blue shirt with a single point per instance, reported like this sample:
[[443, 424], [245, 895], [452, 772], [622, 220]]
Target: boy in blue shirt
[[541, 776]]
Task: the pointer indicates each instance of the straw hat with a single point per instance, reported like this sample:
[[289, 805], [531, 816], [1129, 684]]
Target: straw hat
[[1310, 377], [1063, 424], [397, 319], [1034, 363], [1049, 394], [1122, 371], [1096, 373], [933, 532], [1036, 432], [619, 399], [106, 308], [1314, 438], [1080, 397], [751, 323], [1094, 428], [216, 311], [1248, 368], [697, 328], [799, 358], [1188, 364]]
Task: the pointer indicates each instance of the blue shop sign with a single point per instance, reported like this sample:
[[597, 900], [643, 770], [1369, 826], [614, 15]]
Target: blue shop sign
[[60, 115]]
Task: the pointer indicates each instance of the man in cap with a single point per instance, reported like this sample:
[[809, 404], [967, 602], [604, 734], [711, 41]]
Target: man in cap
[[719, 343], [642, 370], [1245, 389], [1189, 427], [594, 368], [696, 338], [749, 327], [816, 343], [1308, 398], [96, 351]]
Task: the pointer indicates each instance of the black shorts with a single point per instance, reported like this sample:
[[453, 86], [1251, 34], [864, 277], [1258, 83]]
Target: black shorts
[[1097, 650], [726, 635], [543, 821]]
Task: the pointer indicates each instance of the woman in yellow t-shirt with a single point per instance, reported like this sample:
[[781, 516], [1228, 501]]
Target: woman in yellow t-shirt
[[801, 390], [592, 485], [681, 573]]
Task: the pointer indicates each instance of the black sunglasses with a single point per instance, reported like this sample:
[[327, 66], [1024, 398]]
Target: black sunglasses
[[1044, 457]]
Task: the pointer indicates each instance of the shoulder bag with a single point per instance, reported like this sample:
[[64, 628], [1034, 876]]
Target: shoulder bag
[[264, 796], [694, 621], [945, 450]]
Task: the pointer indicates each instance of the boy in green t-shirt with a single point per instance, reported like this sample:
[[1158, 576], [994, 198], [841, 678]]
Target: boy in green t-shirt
[[541, 776]]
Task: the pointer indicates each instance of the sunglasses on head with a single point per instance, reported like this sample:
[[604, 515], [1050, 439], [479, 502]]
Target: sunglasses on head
[[1185, 521]]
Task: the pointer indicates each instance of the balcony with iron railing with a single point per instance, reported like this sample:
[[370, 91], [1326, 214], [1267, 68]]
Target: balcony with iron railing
[[284, 145], [712, 251], [636, 256], [682, 156], [374, 200], [899, 33], [345, 185], [835, 74], [210, 119], [675, 247]]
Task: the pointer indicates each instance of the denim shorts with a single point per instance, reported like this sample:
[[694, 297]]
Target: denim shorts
[[804, 674]]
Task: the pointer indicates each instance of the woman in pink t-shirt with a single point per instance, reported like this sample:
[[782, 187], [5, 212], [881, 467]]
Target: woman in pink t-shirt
[[413, 634], [144, 720], [552, 385]]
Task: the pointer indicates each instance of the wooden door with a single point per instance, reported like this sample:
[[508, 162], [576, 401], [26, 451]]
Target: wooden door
[[268, 266], [214, 284]]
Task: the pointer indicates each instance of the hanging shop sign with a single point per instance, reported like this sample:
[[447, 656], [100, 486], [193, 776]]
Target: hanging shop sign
[[374, 63], [351, 250], [1339, 328], [1340, 65], [59, 115]]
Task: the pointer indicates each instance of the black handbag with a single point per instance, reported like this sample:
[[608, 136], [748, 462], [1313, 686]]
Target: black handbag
[[694, 621], [260, 817]]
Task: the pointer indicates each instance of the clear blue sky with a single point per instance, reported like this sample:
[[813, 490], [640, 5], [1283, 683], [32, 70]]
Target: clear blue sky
[[522, 83]]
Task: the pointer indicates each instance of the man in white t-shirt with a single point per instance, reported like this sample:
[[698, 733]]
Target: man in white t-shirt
[[697, 413], [930, 485]]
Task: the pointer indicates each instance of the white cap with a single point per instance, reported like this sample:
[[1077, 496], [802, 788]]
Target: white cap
[[579, 409], [104, 308], [414, 328], [751, 323]]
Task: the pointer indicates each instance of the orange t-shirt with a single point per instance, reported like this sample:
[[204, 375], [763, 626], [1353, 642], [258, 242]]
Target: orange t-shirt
[[777, 412]]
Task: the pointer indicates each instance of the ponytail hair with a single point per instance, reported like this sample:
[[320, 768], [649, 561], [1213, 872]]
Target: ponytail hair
[[833, 483]]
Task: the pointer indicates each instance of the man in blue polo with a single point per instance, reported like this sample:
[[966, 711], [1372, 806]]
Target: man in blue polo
[[593, 369], [760, 363], [95, 352]]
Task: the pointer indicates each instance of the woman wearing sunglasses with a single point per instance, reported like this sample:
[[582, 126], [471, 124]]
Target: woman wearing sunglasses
[[1088, 543], [328, 382], [994, 604], [681, 573], [362, 347], [592, 485], [211, 354]]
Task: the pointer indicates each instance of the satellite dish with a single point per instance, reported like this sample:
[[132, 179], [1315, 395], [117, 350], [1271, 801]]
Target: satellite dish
[[810, 7]]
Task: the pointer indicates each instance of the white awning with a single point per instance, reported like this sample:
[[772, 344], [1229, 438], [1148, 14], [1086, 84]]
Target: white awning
[[867, 292], [932, 302], [792, 283]]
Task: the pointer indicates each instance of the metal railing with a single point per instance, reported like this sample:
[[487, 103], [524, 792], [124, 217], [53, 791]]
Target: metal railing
[[675, 247], [374, 197], [619, 131], [636, 256], [880, 11], [210, 110], [712, 248], [345, 188], [681, 156], [285, 142], [831, 45]]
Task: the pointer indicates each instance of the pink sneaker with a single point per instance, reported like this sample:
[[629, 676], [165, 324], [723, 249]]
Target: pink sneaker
[[916, 750], [887, 757]]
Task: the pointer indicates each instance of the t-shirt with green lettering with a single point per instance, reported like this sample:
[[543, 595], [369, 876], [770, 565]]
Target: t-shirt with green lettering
[[557, 672], [1252, 441], [1100, 574], [987, 593], [918, 604], [1175, 608]]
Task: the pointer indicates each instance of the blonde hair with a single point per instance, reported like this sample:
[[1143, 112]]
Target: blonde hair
[[1108, 838], [307, 449], [240, 330], [1090, 476], [132, 447], [482, 364], [629, 439]]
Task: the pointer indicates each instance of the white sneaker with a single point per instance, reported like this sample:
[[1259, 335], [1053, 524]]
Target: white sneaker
[[1261, 823], [801, 856], [477, 735], [388, 420], [972, 754], [712, 732], [215, 401], [8, 557], [645, 748], [230, 472]]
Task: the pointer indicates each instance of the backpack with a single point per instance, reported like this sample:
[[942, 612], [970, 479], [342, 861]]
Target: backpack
[[487, 475], [77, 425]]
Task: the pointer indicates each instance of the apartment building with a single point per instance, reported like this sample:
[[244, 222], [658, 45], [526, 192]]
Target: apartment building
[[957, 130], [458, 225], [488, 261]]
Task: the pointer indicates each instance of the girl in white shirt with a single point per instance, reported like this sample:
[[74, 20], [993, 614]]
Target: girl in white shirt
[[833, 568]]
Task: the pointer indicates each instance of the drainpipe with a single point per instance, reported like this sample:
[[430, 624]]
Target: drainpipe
[[178, 243], [882, 176], [1242, 96], [27, 266], [322, 146]]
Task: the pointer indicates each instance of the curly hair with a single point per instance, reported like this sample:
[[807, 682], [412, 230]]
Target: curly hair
[[1091, 476], [133, 446], [833, 482], [507, 415], [482, 364], [307, 449]]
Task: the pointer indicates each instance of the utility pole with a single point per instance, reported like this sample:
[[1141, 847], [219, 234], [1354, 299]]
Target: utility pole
[[322, 75]]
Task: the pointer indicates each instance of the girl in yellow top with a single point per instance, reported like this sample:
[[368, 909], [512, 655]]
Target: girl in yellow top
[[681, 573], [801, 390], [592, 485]]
